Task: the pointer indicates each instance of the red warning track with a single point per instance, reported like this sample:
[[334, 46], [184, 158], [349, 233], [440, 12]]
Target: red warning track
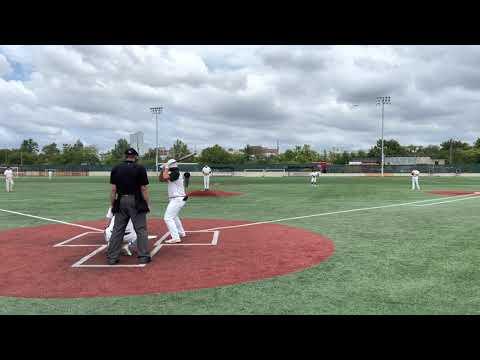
[[453, 192], [32, 267]]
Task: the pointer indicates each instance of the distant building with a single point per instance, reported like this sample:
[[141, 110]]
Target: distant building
[[162, 153], [233, 151], [270, 152], [266, 152], [364, 161], [136, 141], [413, 160]]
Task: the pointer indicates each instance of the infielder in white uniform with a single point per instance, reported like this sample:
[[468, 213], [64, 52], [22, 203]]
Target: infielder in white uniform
[[313, 178], [130, 238], [176, 200], [9, 179], [50, 174], [415, 174], [207, 172]]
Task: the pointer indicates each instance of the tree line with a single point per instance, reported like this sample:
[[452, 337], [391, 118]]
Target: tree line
[[29, 153]]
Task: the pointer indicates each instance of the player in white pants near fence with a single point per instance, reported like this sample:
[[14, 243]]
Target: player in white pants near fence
[[207, 172], [313, 178], [415, 174], [8, 179], [176, 200]]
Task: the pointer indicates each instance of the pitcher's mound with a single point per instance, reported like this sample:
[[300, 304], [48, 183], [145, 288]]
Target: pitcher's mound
[[454, 192], [217, 193]]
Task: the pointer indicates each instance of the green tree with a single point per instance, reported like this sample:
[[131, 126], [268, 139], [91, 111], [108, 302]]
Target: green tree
[[390, 147], [300, 154], [215, 155], [51, 150], [29, 146], [178, 150], [453, 150], [477, 143], [118, 152]]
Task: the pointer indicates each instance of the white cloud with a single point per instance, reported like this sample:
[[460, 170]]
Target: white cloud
[[234, 95], [5, 68]]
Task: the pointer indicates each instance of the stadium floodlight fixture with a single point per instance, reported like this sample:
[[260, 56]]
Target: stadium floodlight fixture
[[382, 100], [157, 110]]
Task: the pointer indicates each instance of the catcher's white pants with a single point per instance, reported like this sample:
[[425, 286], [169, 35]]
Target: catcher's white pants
[[415, 183], [9, 184], [206, 182], [131, 238], [171, 218]]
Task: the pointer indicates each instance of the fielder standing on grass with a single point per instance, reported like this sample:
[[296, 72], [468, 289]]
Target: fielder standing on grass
[[176, 200], [130, 200], [415, 174], [207, 172], [313, 177], [8, 179]]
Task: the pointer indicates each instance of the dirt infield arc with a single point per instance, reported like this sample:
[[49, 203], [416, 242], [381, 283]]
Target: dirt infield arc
[[453, 192], [33, 267]]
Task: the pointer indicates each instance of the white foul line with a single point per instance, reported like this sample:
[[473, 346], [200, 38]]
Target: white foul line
[[51, 220], [449, 201], [159, 245], [326, 213], [63, 243]]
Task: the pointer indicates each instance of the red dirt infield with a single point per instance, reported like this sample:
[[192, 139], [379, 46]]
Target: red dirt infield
[[32, 267], [454, 192], [215, 193]]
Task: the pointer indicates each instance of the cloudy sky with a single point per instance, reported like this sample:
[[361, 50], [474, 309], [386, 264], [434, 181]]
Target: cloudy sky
[[234, 95]]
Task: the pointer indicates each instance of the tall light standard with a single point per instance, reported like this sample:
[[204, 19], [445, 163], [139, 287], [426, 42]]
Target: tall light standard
[[382, 100], [157, 111]]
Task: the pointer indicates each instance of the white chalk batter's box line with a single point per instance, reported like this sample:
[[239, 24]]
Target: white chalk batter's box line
[[157, 246]]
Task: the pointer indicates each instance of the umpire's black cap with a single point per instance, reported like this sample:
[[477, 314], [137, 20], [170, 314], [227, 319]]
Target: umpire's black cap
[[131, 152]]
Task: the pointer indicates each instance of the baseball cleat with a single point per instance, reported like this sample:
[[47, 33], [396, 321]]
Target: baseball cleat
[[126, 249], [173, 241], [183, 235]]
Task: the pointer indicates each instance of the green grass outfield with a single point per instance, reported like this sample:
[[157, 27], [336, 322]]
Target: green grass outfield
[[395, 260]]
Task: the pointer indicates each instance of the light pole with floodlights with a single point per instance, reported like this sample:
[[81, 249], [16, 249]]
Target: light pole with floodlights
[[382, 100], [157, 111]]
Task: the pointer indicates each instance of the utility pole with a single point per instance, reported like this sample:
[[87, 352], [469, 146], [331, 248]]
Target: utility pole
[[382, 100], [451, 151]]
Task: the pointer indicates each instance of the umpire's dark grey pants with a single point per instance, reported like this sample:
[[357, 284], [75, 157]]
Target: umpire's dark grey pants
[[128, 211]]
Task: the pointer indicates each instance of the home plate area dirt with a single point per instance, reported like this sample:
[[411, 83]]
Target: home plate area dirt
[[62, 261]]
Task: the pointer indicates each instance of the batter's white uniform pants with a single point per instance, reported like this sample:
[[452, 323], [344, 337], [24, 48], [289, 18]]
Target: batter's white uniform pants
[[313, 180], [415, 183], [9, 184], [171, 218], [206, 182]]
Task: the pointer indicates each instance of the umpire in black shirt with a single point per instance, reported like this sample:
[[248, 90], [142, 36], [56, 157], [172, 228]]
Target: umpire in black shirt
[[130, 200]]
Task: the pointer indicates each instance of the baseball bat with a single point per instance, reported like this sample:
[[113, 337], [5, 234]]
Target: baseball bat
[[182, 158], [186, 157]]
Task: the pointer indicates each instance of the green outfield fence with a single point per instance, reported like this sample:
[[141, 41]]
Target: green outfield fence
[[460, 168]]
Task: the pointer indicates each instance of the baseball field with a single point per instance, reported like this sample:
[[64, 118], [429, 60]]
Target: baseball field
[[351, 245]]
